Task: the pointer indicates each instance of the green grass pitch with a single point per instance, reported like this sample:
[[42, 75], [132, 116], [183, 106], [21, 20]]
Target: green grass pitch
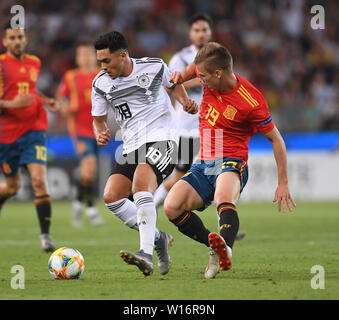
[[273, 261]]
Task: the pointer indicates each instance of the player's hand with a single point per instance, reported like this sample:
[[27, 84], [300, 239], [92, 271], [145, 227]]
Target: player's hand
[[54, 105], [176, 78], [283, 197], [190, 106], [103, 137], [21, 100]]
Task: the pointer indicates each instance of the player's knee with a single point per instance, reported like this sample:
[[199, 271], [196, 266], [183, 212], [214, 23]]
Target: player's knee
[[87, 180], [110, 197], [13, 189], [39, 183], [172, 208]]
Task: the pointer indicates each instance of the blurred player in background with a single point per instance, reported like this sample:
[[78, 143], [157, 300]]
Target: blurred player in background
[[200, 33], [75, 96], [231, 112], [134, 88], [23, 125]]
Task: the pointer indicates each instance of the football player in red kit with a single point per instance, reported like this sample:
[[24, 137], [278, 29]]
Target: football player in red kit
[[23, 122], [231, 112], [76, 87]]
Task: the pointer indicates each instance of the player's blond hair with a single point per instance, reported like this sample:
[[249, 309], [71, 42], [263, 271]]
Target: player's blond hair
[[214, 56]]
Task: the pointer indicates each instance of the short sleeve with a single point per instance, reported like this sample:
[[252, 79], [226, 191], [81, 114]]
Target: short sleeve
[[165, 76], [99, 103], [261, 118]]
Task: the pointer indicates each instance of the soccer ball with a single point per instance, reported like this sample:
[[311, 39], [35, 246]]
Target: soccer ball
[[66, 263]]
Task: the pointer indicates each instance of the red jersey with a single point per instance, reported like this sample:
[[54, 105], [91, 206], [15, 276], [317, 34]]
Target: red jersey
[[20, 77], [228, 120], [77, 86]]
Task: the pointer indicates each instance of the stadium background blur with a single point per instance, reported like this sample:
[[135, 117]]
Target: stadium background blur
[[271, 41]]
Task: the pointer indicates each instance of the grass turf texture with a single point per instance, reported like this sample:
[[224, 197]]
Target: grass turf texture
[[274, 260]]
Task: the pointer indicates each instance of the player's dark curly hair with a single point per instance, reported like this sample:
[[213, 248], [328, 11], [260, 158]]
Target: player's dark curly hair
[[201, 16], [113, 41]]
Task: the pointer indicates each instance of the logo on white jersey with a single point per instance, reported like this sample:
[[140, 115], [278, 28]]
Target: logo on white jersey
[[143, 80]]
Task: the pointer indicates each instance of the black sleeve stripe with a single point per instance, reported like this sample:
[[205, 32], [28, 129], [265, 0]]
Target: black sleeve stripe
[[149, 60], [100, 74], [99, 91]]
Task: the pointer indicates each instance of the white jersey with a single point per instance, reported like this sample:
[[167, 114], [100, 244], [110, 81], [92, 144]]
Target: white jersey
[[188, 123], [141, 105]]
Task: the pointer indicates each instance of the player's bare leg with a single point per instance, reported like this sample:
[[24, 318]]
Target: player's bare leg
[[166, 186], [178, 205], [9, 187], [181, 199], [179, 202], [161, 193], [169, 183], [117, 187], [42, 202]]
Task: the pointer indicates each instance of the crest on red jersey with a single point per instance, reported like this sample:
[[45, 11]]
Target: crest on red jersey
[[230, 112]]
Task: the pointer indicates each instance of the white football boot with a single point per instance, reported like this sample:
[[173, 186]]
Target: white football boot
[[76, 213], [93, 216], [213, 265]]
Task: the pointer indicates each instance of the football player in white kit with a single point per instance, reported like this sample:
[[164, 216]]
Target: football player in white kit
[[134, 89], [199, 34]]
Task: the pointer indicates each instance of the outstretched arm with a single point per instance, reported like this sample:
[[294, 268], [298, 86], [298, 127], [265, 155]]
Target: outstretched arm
[[282, 194], [187, 74]]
